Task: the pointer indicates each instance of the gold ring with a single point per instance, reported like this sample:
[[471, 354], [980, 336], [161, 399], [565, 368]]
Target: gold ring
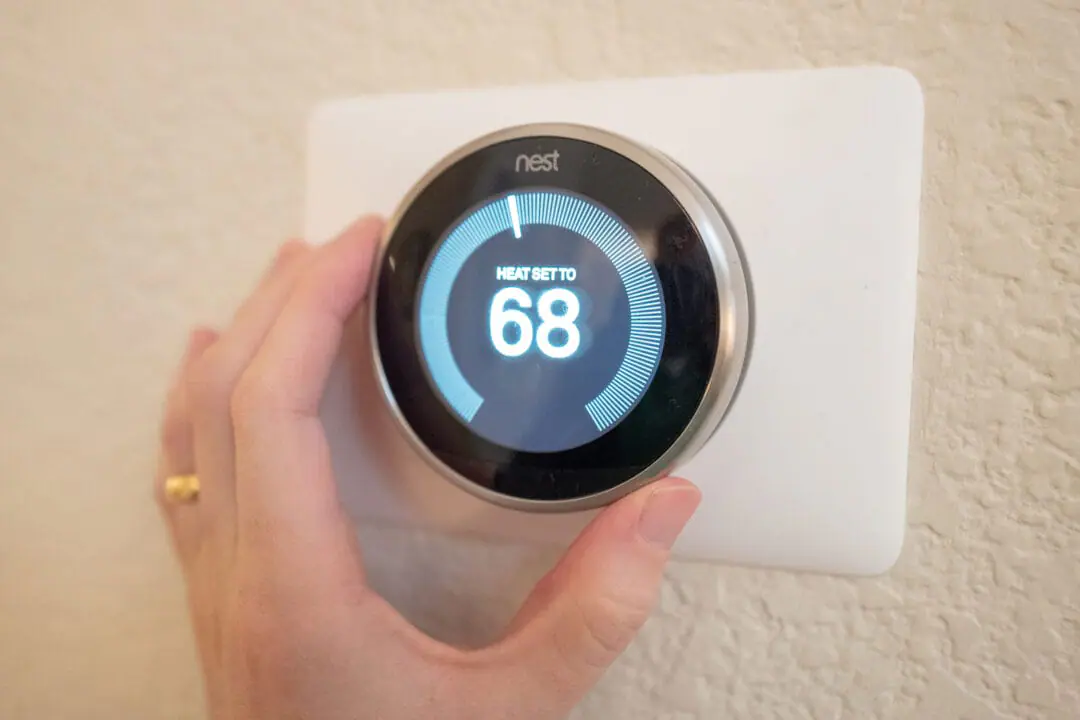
[[182, 488]]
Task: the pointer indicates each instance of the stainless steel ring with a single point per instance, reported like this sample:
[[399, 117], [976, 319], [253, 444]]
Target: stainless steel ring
[[734, 292]]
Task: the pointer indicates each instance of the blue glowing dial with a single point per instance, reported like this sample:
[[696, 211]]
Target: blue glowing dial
[[541, 320]]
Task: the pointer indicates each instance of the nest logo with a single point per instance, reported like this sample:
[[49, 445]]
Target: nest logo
[[540, 162]]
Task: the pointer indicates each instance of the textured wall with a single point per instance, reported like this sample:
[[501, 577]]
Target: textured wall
[[150, 156]]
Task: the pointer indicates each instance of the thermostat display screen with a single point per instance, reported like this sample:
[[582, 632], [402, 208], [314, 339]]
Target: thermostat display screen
[[541, 320]]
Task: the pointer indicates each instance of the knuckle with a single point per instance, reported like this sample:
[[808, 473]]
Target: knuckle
[[291, 250], [258, 632], [255, 392], [610, 624], [252, 625], [175, 430], [212, 381]]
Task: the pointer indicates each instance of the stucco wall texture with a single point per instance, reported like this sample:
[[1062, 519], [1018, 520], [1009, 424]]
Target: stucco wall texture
[[151, 155]]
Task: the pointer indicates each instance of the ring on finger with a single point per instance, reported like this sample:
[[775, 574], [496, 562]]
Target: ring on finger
[[182, 488]]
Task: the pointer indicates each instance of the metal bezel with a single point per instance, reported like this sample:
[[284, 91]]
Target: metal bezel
[[733, 292]]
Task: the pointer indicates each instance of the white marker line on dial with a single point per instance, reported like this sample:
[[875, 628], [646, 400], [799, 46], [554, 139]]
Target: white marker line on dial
[[512, 202]]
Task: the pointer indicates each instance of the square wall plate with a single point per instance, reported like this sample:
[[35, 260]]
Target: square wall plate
[[819, 172]]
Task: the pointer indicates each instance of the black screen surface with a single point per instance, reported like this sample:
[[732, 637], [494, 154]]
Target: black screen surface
[[541, 321]]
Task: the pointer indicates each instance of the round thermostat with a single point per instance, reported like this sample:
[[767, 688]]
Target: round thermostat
[[559, 316]]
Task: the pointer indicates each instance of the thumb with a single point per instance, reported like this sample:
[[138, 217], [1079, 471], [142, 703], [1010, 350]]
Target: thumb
[[585, 612]]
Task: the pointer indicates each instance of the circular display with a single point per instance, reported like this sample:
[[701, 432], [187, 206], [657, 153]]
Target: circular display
[[559, 315], [540, 289]]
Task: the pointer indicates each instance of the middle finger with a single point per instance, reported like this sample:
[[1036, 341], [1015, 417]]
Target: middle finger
[[218, 371]]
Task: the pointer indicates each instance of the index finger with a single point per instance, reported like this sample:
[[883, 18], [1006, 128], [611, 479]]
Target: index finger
[[285, 481], [289, 372]]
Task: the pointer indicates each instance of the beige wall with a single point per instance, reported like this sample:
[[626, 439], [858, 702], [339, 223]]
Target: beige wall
[[151, 154]]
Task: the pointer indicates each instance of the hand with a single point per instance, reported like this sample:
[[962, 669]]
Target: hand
[[285, 623]]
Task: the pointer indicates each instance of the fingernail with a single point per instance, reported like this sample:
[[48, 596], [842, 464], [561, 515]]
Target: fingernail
[[666, 513]]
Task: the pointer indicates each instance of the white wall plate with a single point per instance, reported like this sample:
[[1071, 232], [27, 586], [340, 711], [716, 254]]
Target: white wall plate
[[820, 174]]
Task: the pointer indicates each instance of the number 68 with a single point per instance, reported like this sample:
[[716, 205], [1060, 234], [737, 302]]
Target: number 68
[[501, 316]]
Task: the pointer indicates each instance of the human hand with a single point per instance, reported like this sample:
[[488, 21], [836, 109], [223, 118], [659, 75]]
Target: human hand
[[285, 624]]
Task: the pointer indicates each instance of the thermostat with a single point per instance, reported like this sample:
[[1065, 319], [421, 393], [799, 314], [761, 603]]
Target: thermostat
[[560, 314], [562, 308]]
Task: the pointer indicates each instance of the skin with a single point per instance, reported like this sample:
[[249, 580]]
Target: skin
[[285, 624]]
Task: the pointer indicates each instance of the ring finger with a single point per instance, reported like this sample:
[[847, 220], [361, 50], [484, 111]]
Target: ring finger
[[177, 455]]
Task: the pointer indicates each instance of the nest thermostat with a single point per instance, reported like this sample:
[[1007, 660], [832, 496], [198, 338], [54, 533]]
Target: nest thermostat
[[560, 314], [561, 308]]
